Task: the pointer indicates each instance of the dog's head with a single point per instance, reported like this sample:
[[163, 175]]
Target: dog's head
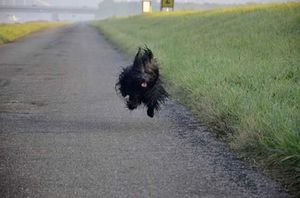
[[146, 66]]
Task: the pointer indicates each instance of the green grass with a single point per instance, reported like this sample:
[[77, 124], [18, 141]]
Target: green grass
[[11, 32], [238, 69]]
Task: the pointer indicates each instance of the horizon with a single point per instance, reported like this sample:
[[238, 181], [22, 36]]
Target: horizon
[[94, 3]]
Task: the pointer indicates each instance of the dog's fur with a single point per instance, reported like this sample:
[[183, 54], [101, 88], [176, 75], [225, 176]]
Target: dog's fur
[[142, 83]]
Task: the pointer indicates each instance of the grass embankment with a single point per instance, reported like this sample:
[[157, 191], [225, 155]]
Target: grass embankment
[[11, 32], [236, 68]]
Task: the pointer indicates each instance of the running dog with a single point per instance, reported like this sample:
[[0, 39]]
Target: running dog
[[140, 83]]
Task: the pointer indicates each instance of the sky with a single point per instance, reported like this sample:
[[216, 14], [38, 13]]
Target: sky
[[96, 2]]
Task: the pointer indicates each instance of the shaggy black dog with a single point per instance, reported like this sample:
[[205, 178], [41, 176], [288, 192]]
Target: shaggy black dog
[[141, 83]]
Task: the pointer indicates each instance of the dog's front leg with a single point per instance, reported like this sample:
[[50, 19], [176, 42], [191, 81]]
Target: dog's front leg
[[133, 102], [151, 107]]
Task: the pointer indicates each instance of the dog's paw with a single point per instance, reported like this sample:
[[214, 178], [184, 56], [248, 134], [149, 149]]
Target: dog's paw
[[131, 105], [150, 112]]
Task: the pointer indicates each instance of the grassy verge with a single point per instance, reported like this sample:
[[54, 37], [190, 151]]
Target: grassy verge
[[238, 69], [11, 32]]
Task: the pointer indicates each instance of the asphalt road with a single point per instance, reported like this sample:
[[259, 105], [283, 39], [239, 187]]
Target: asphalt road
[[65, 133]]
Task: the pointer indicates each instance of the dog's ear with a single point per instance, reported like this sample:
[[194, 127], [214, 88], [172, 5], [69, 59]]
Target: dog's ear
[[149, 61], [148, 53], [138, 58]]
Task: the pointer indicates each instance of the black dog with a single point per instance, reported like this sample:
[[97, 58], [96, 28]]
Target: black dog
[[141, 82]]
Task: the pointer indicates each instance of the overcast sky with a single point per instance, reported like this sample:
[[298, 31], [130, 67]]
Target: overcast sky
[[95, 2]]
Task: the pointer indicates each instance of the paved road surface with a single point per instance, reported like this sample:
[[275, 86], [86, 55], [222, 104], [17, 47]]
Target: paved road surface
[[65, 133]]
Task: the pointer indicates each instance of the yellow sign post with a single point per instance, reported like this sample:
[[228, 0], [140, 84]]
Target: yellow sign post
[[167, 4]]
